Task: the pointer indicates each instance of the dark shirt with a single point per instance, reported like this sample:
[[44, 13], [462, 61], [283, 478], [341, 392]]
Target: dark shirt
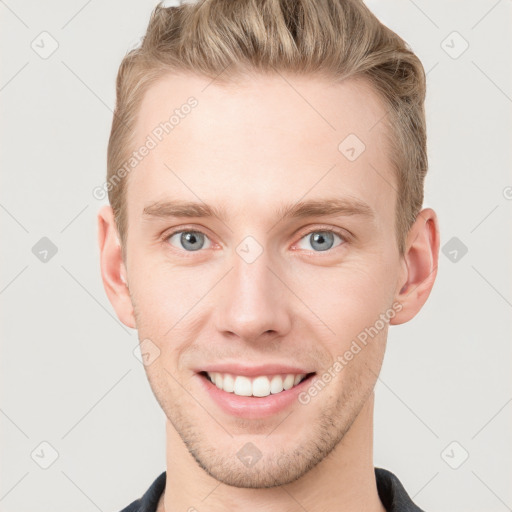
[[391, 492]]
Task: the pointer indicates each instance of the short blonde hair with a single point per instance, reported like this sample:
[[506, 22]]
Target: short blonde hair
[[335, 39]]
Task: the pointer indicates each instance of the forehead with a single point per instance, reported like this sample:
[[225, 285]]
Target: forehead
[[266, 139]]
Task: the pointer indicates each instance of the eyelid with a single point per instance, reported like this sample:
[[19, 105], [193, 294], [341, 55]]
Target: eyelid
[[342, 233], [345, 236], [167, 234]]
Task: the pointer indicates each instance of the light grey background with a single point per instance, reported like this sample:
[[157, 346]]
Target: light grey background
[[69, 376]]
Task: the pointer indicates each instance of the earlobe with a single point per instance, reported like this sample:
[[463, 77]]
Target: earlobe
[[419, 266], [113, 270]]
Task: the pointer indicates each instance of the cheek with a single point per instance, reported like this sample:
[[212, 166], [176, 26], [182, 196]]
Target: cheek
[[159, 302], [167, 304], [347, 298]]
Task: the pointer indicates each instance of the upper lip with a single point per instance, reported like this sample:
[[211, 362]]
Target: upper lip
[[252, 371]]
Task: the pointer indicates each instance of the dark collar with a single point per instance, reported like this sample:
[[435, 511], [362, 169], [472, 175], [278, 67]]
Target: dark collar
[[391, 492]]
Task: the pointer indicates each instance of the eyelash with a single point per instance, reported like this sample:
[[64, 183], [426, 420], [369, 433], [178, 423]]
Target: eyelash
[[344, 235]]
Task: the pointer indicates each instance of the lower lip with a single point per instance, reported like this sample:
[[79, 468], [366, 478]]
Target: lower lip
[[252, 407]]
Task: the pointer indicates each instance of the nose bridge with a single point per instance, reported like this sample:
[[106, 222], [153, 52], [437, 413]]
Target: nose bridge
[[253, 301]]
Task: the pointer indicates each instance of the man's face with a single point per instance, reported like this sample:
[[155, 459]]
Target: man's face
[[256, 288]]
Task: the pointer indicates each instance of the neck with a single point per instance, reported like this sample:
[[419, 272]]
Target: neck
[[343, 481]]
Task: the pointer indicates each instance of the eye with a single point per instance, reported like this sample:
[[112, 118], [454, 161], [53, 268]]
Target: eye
[[189, 240], [321, 239]]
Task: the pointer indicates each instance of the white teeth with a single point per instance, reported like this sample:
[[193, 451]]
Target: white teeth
[[276, 384], [243, 386], [228, 384], [258, 386], [261, 386], [288, 381]]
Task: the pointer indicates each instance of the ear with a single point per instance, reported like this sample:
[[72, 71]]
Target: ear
[[419, 266], [113, 269]]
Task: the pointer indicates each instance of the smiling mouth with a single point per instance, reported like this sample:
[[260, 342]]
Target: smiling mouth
[[260, 386]]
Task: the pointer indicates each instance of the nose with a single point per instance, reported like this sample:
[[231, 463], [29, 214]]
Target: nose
[[254, 303]]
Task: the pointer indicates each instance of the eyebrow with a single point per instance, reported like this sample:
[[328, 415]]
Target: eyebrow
[[311, 208]]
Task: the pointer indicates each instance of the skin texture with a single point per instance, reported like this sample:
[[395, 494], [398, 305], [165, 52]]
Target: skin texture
[[251, 148]]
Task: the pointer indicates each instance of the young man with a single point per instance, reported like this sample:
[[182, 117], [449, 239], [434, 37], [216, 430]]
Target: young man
[[265, 175]]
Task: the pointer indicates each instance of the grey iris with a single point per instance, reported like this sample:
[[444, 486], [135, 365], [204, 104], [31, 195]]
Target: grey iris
[[189, 238], [318, 240]]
